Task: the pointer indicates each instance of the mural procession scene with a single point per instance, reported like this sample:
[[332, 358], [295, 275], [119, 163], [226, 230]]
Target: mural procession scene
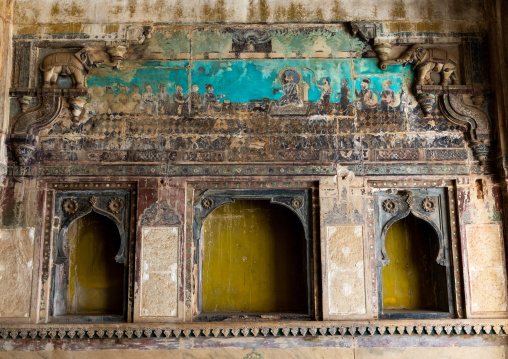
[[250, 85]]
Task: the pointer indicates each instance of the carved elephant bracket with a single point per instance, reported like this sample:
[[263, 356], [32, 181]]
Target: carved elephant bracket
[[426, 204], [77, 65], [424, 61], [29, 122]]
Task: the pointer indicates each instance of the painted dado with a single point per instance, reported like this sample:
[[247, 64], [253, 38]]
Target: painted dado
[[251, 181]]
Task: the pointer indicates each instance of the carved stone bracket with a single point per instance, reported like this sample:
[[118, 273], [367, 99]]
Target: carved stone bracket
[[475, 120], [448, 93], [29, 122]]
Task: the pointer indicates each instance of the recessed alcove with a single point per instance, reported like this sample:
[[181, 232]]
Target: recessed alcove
[[413, 280], [96, 280], [254, 259]]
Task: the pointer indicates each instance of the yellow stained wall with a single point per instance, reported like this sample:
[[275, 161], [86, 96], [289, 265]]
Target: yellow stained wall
[[254, 259], [413, 280], [95, 279]]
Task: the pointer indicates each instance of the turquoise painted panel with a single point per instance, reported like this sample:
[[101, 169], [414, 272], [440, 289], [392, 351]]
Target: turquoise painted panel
[[244, 80]]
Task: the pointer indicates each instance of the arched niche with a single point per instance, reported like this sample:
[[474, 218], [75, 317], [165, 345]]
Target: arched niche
[[90, 275], [412, 253], [90, 282], [254, 259], [413, 280], [263, 233]]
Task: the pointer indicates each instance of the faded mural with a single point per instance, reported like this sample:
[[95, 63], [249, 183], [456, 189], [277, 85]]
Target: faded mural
[[267, 94], [279, 87]]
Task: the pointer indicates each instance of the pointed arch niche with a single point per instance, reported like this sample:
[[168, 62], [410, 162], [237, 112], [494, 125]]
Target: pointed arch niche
[[412, 254], [92, 235]]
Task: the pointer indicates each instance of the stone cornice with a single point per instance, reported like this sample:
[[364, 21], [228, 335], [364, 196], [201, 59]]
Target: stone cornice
[[256, 329]]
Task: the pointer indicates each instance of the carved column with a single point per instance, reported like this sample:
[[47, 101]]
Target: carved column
[[6, 19]]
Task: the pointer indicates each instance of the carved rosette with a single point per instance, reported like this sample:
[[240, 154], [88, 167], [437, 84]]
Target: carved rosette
[[207, 203], [428, 204], [70, 206], [115, 205], [390, 206], [297, 203]]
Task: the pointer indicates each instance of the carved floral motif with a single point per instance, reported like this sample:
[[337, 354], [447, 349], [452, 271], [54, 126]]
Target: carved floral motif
[[115, 205], [428, 204], [297, 203], [207, 203], [70, 206], [390, 206]]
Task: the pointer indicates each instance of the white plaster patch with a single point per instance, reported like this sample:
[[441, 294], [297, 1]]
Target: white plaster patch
[[159, 285], [17, 268], [487, 275], [345, 270]]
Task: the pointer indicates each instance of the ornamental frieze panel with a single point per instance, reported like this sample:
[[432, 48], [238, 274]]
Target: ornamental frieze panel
[[226, 94]]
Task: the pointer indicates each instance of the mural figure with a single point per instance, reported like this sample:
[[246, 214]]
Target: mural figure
[[179, 99], [195, 100], [407, 101], [388, 96], [210, 100], [109, 99], [326, 92], [121, 101], [367, 98], [289, 89], [163, 99], [345, 95], [134, 100], [148, 103]]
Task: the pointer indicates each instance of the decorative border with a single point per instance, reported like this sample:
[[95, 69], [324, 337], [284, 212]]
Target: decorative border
[[269, 329], [371, 169]]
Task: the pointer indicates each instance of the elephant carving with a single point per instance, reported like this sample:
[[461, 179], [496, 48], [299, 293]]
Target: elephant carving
[[425, 61], [75, 65]]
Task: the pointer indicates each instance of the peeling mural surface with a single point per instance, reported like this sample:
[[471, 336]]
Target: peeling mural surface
[[226, 95]]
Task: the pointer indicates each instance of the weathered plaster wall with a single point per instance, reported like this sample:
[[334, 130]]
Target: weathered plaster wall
[[96, 17], [170, 153]]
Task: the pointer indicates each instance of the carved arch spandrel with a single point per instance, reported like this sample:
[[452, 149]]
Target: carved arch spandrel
[[114, 205], [426, 205]]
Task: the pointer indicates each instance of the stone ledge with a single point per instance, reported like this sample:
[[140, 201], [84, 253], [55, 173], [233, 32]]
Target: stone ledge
[[256, 329]]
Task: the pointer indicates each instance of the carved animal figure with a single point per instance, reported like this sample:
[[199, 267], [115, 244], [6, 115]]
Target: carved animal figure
[[425, 61], [73, 65]]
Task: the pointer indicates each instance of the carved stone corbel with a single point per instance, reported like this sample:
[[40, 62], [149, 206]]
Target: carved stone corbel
[[475, 120], [29, 122], [138, 34]]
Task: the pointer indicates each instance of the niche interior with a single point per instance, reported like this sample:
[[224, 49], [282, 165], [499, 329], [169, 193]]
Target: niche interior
[[254, 252]]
